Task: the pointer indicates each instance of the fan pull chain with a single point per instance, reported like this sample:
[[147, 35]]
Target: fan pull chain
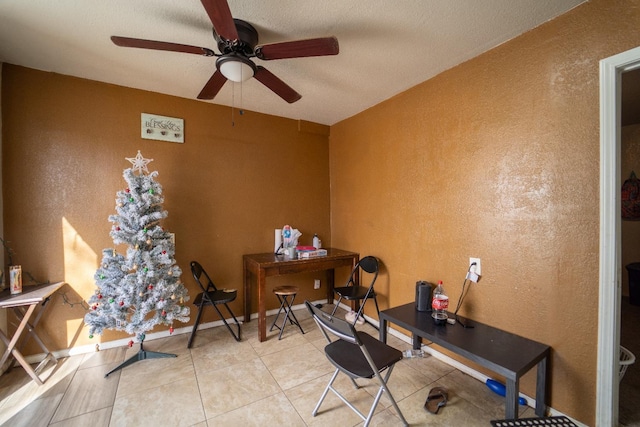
[[240, 109], [233, 102]]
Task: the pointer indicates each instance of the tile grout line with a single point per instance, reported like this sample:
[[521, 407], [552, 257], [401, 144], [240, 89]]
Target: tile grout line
[[195, 374]]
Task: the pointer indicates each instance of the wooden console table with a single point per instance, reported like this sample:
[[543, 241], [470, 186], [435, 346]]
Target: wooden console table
[[24, 305], [505, 353], [264, 265]]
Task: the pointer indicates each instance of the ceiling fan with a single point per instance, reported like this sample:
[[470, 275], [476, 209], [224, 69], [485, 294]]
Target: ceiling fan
[[237, 42]]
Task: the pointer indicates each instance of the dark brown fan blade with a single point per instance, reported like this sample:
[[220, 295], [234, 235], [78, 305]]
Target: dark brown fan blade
[[220, 16], [279, 87], [151, 44], [213, 86], [299, 49]]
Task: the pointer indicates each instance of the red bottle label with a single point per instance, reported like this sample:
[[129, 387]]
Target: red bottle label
[[440, 302]]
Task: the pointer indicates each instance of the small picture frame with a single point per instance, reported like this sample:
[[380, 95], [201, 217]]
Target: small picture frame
[[162, 128], [15, 279]]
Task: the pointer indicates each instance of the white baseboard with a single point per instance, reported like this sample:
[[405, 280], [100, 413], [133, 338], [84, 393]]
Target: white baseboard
[[90, 348]]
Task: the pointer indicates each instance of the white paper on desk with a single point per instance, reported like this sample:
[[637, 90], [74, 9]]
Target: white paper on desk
[[278, 240]]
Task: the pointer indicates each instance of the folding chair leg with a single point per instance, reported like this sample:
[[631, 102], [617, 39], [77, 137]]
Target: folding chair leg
[[195, 326], [236, 336], [340, 396], [359, 313], [361, 310], [286, 305], [324, 393], [293, 320], [336, 306], [383, 388], [273, 325]]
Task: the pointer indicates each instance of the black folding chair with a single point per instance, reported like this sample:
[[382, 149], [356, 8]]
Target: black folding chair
[[351, 291], [213, 296], [358, 355]]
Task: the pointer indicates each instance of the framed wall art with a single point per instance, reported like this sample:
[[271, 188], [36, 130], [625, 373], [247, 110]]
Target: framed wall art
[[162, 128]]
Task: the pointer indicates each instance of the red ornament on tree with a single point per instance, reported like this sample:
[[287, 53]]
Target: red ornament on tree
[[121, 303], [150, 287]]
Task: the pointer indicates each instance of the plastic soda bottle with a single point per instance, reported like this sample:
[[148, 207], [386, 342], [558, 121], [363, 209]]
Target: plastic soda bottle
[[411, 353], [440, 303]]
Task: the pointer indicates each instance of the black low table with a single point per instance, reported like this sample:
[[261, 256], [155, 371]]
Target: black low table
[[505, 353]]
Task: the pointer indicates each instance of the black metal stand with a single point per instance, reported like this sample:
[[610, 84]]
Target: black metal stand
[[141, 355]]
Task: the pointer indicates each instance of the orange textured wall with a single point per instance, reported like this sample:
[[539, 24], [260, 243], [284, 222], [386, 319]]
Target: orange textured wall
[[497, 158], [226, 188]]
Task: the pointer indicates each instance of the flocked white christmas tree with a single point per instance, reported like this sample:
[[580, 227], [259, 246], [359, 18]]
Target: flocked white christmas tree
[[139, 290]]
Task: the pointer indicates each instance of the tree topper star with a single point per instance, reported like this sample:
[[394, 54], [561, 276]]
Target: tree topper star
[[139, 163]]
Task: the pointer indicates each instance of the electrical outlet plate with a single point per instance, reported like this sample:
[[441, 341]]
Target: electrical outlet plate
[[316, 284], [476, 268]]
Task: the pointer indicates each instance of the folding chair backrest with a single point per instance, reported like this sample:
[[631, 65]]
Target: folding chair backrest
[[368, 264], [332, 325], [198, 272]]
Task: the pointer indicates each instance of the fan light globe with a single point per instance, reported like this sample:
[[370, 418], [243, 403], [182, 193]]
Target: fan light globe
[[236, 68]]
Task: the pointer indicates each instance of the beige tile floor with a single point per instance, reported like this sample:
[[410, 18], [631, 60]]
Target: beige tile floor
[[221, 382]]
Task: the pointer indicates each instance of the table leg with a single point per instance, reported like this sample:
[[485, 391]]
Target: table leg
[[246, 277], [20, 313], [331, 276], [417, 341], [541, 388], [31, 330], [262, 311], [511, 399], [383, 329], [355, 304], [11, 344]]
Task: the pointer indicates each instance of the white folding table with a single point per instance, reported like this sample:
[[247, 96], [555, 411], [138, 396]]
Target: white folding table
[[24, 305]]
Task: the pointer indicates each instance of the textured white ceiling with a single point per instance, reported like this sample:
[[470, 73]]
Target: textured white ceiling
[[386, 46]]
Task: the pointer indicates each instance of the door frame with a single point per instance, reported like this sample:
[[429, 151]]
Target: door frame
[[610, 293]]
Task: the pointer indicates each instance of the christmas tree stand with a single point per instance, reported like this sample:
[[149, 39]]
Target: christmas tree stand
[[141, 355]]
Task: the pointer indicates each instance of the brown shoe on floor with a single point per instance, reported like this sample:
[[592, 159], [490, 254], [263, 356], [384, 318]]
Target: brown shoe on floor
[[436, 399]]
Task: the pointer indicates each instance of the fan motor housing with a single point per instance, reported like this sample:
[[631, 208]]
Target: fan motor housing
[[247, 35]]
